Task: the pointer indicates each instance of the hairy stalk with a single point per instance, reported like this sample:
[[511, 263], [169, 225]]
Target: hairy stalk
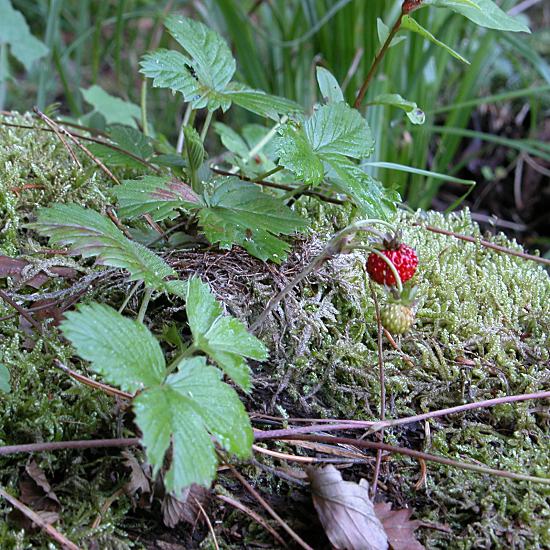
[[144, 303], [377, 60], [394, 271], [131, 293], [206, 125], [184, 122], [143, 106]]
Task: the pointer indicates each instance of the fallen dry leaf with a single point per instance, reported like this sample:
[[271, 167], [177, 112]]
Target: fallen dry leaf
[[346, 511], [398, 526], [175, 510]]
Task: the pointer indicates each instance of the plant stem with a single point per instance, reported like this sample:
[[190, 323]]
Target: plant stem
[[262, 143], [206, 125], [60, 445], [187, 352], [377, 60], [130, 294], [382, 380], [144, 303], [266, 175], [143, 104], [186, 117]]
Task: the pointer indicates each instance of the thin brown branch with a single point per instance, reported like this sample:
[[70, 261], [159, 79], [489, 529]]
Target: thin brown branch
[[22, 311], [256, 517], [325, 425], [420, 455], [208, 522], [109, 390], [281, 186], [50, 530], [59, 133], [60, 445], [377, 60], [487, 244], [269, 510], [84, 149]]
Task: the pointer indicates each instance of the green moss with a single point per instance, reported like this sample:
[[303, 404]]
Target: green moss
[[482, 331]]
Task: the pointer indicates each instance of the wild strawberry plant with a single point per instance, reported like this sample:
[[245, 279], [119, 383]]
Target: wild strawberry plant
[[183, 408]]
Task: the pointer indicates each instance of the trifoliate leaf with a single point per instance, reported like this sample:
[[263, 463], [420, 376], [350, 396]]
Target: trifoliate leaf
[[225, 339], [415, 115], [203, 76], [4, 379], [128, 139], [369, 195], [123, 351], [238, 212], [90, 234], [191, 404], [114, 109], [413, 25], [482, 12], [159, 197], [330, 89], [15, 32]]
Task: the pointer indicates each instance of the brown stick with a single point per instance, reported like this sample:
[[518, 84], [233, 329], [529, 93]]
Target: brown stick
[[419, 455], [486, 244], [248, 511], [281, 186], [35, 518], [21, 310], [109, 390], [377, 60], [270, 510], [58, 445], [86, 151], [374, 426]]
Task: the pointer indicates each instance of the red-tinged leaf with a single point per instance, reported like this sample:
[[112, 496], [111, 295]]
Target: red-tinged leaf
[[398, 526], [346, 511], [14, 268]]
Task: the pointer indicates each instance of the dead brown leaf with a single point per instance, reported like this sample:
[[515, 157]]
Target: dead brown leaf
[[176, 510], [346, 511], [139, 480], [398, 526], [13, 267]]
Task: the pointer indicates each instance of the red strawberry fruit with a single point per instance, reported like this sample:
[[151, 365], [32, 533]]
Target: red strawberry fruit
[[402, 256]]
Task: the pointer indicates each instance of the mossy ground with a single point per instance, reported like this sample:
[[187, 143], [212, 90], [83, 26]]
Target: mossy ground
[[482, 331]]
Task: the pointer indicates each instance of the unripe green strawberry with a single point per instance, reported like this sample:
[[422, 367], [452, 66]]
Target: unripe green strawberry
[[396, 318]]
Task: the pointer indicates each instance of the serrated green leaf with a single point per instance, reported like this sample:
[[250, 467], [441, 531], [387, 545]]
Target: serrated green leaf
[[91, 234], [370, 196], [225, 339], [415, 115], [193, 402], [203, 76], [297, 155], [339, 129], [210, 55], [330, 89], [4, 379], [126, 138], [123, 351], [482, 12], [114, 109], [159, 197], [413, 25], [332, 129], [15, 32], [238, 212]]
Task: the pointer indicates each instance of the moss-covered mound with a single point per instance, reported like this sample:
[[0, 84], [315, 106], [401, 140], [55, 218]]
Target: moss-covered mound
[[482, 331]]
